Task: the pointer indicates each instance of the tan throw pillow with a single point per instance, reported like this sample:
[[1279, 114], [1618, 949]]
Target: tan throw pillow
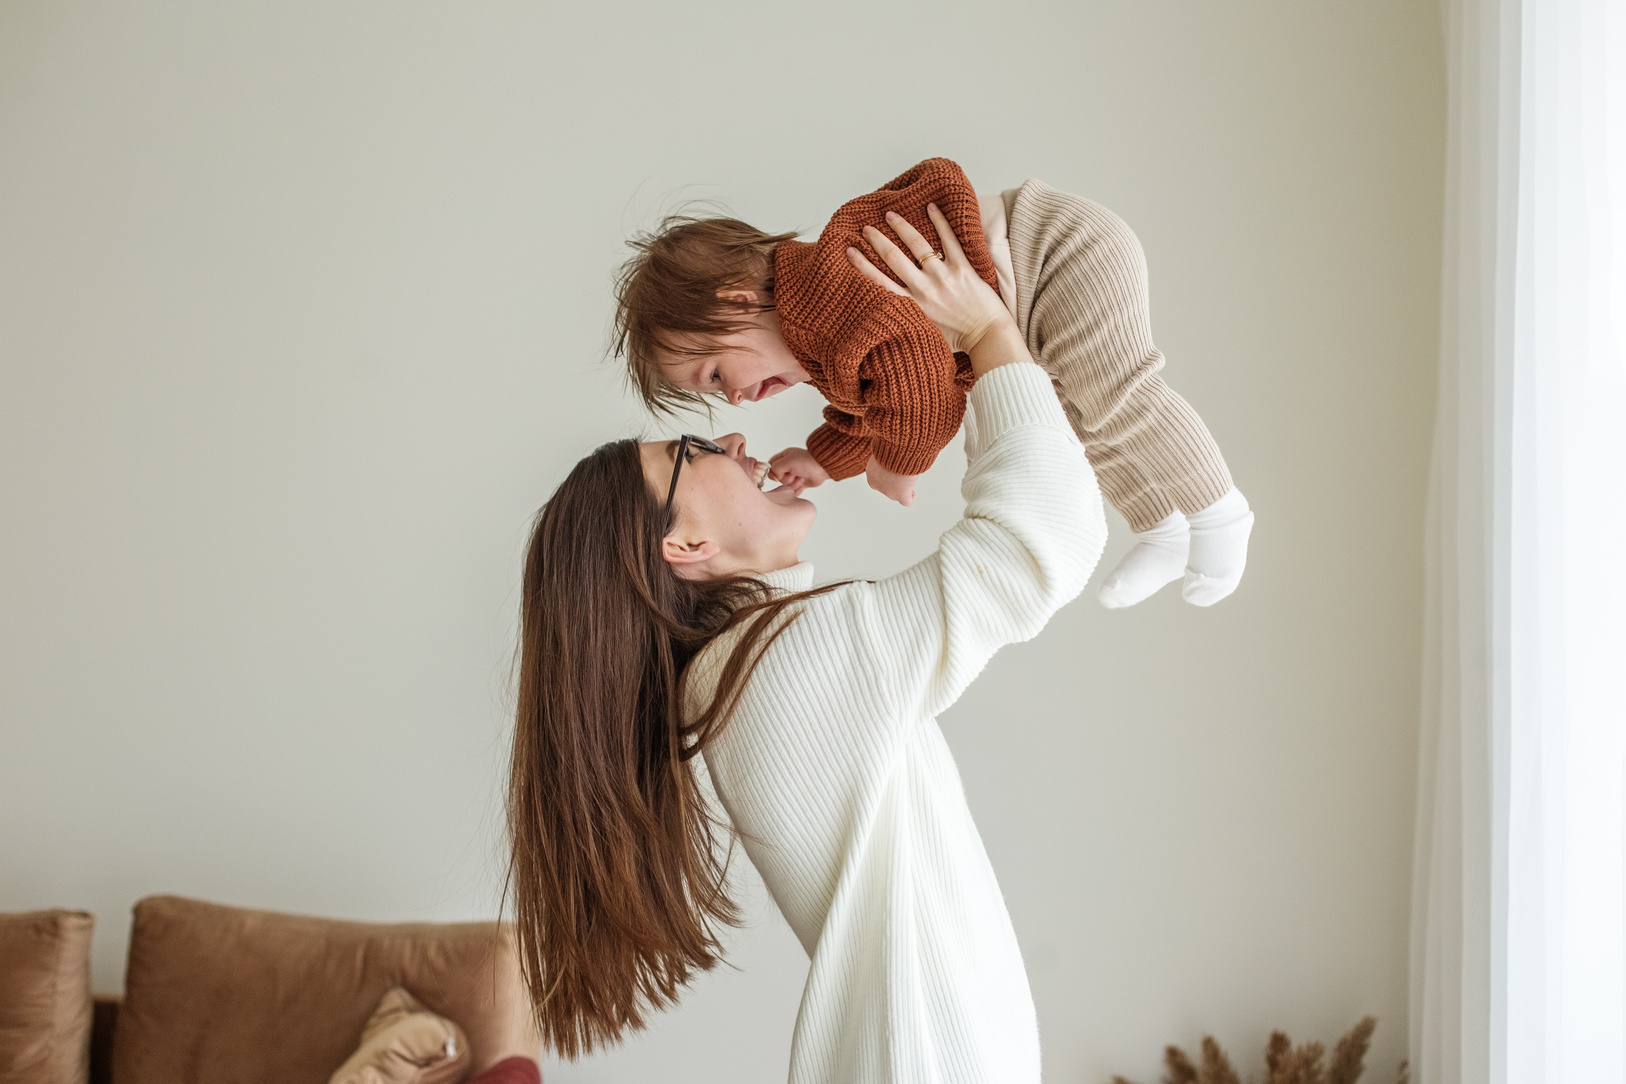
[[45, 997], [404, 1043]]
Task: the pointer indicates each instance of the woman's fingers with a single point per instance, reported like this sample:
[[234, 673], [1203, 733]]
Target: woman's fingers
[[901, 265], [952, 252], [893, 257], [873, 273], [910, 236]]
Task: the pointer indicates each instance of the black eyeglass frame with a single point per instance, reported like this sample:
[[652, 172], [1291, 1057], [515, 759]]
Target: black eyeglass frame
[[685, 442]]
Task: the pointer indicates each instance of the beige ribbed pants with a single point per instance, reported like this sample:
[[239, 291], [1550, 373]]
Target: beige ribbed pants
[[1082, 304]]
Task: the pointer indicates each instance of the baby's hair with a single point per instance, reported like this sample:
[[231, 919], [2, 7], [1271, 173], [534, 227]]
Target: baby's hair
[[669, 287]]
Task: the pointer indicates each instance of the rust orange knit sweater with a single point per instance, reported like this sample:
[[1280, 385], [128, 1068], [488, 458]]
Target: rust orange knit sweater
[[894, 388]]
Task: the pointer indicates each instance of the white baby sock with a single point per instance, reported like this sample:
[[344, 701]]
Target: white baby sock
[[1158, 557], [1219, 549]]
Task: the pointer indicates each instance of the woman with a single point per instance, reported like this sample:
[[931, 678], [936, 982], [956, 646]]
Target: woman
[[666, 614]]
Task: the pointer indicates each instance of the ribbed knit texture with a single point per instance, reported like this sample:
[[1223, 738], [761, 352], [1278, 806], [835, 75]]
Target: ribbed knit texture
[[846, 796], [1083, 306], [894, 387]]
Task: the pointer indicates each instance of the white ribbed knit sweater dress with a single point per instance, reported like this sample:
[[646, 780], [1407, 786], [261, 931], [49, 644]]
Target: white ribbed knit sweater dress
[[846, 796]]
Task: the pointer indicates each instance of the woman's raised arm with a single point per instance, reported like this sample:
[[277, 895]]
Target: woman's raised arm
[[1033, 527], [1031, 535]]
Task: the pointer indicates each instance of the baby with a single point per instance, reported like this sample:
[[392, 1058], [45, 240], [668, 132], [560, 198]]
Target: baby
[[713, 306]]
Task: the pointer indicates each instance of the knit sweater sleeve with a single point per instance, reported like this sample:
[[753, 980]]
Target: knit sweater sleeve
[[1031, 535], [911, 408], [914, 405], [841, 443]]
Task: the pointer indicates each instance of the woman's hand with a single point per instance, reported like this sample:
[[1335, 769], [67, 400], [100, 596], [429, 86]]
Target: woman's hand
[[900, 487], [945, 286], [796, 467]]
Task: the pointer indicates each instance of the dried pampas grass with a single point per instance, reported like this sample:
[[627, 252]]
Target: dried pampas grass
[[1284, 1064]]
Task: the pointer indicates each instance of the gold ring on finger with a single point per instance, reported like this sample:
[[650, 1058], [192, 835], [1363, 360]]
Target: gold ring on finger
[[930, 256]]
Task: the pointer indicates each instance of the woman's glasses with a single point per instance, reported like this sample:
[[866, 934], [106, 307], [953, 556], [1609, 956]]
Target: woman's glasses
[[685, 442]]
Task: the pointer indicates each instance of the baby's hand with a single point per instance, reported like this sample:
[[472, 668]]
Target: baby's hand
[[900, 487], [796, 467]]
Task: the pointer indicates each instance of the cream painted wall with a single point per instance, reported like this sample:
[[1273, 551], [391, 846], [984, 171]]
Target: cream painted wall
[[301, 314]]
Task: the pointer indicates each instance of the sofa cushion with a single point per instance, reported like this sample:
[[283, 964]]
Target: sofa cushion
[[222, 995], [404, 1043], [45, 997]]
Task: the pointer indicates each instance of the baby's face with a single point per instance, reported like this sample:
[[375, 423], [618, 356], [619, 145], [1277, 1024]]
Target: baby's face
[[749, 365]]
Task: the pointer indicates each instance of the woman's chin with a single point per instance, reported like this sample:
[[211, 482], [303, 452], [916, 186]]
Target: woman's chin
[[802, 510]]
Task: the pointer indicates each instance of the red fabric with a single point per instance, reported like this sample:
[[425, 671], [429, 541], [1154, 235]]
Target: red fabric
[[515, 1070], [893, 386]]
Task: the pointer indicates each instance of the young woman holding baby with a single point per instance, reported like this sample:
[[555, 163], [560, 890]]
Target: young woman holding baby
[[667, 622]]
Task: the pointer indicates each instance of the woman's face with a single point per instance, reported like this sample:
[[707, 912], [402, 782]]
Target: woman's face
[[725, 524]]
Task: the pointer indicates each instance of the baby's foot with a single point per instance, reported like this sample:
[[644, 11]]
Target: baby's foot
[[1158, 557], [1219, 549]]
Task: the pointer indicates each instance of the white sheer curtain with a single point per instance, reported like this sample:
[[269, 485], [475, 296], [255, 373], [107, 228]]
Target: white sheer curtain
[[1519, 916]]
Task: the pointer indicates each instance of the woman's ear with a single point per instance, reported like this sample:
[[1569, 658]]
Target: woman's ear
[[687, 554], [742, 297]]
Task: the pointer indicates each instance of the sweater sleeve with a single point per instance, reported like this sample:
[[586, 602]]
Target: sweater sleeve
[[840, 444], [913, 403], [1031, 535], [912, 408]]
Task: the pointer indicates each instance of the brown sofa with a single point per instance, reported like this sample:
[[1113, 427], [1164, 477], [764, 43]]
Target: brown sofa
[[223, 995]]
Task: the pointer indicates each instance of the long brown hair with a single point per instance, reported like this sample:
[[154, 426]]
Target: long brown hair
[[669, 286], [618, 868]]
